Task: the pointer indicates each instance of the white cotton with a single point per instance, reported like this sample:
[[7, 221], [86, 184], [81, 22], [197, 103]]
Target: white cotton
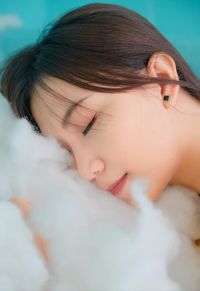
[[95, 241]]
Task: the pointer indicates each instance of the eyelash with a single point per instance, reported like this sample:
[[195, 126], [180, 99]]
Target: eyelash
[[89, 126]]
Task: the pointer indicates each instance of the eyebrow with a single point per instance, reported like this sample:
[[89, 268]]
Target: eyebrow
[[71, 109]]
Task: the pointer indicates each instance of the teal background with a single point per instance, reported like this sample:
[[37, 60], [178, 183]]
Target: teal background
[[178, 20]]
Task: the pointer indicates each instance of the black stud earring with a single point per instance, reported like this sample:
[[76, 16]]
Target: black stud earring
[[165, 101], [165, 97]]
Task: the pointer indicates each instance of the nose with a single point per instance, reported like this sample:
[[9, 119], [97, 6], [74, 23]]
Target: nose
[[88, 168]]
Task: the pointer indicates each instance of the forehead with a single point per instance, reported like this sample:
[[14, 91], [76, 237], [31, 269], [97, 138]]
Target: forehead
[[59, 92], [50, 101]]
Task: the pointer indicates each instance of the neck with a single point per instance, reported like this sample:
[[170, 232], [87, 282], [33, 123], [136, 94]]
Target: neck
[[187, 123]]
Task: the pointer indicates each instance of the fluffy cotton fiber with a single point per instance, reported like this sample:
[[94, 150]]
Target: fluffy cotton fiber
[[94, 240]]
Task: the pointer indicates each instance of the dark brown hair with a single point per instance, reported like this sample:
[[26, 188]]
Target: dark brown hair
[[100, 47]]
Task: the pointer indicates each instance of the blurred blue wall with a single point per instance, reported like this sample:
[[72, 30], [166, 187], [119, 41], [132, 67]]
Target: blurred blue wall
[[21, 22]]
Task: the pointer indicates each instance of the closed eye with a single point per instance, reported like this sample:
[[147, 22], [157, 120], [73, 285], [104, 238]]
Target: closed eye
[[90, 125]]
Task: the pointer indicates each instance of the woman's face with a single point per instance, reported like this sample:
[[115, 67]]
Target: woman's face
[[131, 134]]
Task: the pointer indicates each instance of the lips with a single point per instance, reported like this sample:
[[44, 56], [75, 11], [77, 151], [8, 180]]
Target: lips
[[117, 186]]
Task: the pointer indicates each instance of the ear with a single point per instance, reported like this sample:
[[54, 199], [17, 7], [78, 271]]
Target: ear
[[161, 65]]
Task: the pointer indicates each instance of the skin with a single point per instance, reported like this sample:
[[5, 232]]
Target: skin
[[134, 132], [25, 207]]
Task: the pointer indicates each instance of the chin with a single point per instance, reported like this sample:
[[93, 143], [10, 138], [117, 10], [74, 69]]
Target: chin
[[125, 194]]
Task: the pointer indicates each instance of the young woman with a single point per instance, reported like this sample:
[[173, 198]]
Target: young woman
[[116, 94]]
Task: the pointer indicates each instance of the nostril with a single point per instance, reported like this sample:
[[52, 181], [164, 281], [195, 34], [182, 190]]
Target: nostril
[[95, 173]]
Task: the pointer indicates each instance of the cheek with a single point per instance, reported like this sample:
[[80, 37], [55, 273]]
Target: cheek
[[151, 154], [143, 145]]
